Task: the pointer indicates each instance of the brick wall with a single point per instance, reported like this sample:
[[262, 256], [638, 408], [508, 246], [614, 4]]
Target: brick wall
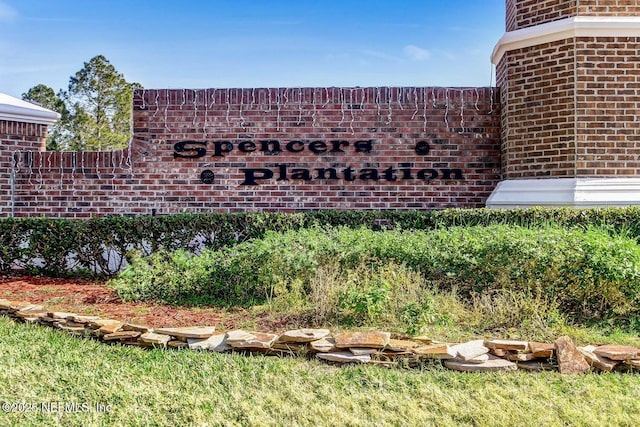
[[537, 88], [527, 13], [570, 107], [339, 148], [16, 136]]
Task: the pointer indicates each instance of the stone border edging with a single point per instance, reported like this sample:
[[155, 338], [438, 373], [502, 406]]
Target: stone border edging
[[348, 347]]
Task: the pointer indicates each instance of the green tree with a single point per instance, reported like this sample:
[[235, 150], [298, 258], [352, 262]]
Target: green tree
[[99, 100], [95, 110], [44, 96]]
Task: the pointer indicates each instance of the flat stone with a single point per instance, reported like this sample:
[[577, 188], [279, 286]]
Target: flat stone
[[159, 340], [401, 345], [324, 345], [435, 351], [304, 335], [520, 357], [633, 363], [490, 365], [5, 304], [30, 313], [14, 306], [373, 339], [541, 349], [188, 332], [240, 339], [216, 342], [99, 323], [618, 352], [498, 352], [600, 362], [139, 328], [570, 360], [121, 335], [507, 345], [109, 328], [423, 340], [344, 357], [469, 350], [83, 319], [70, 324], [478, 359], [364, 351]]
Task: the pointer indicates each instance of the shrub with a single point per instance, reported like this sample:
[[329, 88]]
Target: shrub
[[588, 273]]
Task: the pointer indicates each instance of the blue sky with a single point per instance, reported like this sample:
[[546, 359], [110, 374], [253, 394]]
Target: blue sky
[[251, 43]]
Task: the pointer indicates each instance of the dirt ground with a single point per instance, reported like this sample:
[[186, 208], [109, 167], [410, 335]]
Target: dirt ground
[[95, 298]]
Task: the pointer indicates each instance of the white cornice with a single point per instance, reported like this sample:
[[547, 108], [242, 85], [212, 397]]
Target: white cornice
[[576, 192], [17, 110], [577, 26]]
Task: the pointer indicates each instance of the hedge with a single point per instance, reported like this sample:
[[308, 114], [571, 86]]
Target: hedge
[[99, 246]]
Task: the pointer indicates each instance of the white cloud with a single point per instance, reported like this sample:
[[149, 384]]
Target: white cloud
[[416, 53], [7, 13]]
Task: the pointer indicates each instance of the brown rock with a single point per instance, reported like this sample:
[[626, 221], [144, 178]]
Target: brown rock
[[121, 335], [5, 304], [99, 323], [435, 351], [250, 340], [109, 328], [541, 349], [324, 345], [362, 339], [570, 360], [139, 328], [158, 340], [424, 340], [507, 345], [188, 331], [490, 365], [401, 345], [618, 352], [498, 352], [84, 319], [344, 357], [30, 313], [304, 335], [602, 363], [633, 363]]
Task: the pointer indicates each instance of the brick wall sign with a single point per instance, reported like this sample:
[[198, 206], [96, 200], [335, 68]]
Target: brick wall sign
[[277, 149]]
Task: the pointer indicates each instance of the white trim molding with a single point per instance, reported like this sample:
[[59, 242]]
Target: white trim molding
[[577, 26], [575, 192], [17, 110]]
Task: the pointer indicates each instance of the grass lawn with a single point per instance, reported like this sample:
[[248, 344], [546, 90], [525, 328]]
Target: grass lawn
[[155, 387]]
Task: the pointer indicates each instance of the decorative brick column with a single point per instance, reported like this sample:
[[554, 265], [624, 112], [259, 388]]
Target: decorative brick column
[[23, 127], [569, 76]]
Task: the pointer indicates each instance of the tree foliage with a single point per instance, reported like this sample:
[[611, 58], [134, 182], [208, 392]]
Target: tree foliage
[[45, 96], [95, 109]]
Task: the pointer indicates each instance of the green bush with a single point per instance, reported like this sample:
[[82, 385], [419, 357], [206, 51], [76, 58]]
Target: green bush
[[62, 247], [364, 274]]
